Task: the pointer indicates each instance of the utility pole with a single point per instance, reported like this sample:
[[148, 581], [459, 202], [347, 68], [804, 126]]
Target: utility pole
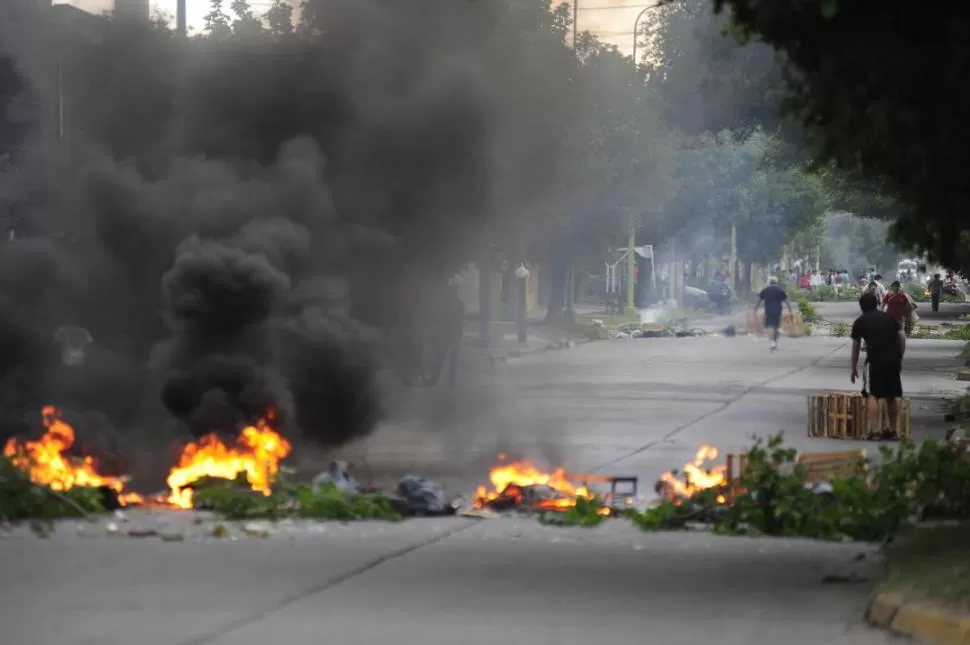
[[672, 272], [734, 258], [181, 21], [575, 22], [631, 268]]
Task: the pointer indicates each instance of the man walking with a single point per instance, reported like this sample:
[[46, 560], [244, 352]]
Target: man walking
[[936, 292], [885, 346], [445, 331], [773, 295]]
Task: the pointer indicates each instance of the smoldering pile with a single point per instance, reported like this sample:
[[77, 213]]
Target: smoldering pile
[[276, 205]]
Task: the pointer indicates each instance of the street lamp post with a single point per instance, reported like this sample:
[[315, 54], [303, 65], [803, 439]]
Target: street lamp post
[[631, 259], [522, 279], [636, 31]]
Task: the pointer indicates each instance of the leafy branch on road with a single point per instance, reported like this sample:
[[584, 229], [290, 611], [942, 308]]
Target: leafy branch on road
[[22, 499], [773, 496], [235, 500]]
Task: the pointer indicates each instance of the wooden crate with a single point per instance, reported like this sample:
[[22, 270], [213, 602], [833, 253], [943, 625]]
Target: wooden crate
[[844, 415], [753, 323], [792, 324]]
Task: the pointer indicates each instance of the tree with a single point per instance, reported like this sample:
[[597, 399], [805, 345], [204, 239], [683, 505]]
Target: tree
[[706, 82], [877, 89], [749, 184], [217, 22], [618, 166]]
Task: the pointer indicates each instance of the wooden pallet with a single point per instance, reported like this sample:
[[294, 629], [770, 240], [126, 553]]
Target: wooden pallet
[[817, 466], [844, 415], [822, 466]]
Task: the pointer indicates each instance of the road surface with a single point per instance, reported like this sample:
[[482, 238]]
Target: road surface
[[625, 407]]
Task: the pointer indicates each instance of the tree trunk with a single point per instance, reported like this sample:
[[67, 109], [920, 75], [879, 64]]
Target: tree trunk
[[557, 289], [485, 304]]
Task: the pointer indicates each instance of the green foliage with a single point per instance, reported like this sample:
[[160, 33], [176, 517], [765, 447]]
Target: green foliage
[[841, 329], [771, 496], [689, 53], [960, 332], [330, 503], [825, 293], [585, 513], [22, 500], [774, 502], [807, 310], [237, 502], [747, 182], [667, 516], [869, 91], [916, 291]]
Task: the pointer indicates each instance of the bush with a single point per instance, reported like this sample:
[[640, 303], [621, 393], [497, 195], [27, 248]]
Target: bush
[[20, 499], [771, 497], [585, 513], [916, 291], [961, 332], [234, 500], [841, 330], [807, 310], [825, 293]]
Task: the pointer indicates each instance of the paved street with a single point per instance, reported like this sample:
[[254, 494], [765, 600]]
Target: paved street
[[625, 407]]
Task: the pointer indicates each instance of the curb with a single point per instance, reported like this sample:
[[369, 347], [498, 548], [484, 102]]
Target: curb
[[504, 356], [922, 621]]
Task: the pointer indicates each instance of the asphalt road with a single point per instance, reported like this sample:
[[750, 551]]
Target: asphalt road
[[626, 407]]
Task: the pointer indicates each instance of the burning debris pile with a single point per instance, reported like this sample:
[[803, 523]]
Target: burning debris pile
[[257, 455], [520, 485], [698, 476], [50, 462]]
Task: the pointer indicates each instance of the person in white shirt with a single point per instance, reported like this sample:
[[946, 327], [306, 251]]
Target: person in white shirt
[[880, 288]]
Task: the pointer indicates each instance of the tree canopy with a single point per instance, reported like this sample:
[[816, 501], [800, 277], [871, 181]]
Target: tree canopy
[[879, 89]]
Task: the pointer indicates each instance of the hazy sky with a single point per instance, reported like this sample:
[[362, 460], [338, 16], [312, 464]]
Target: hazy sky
[[611, 20]]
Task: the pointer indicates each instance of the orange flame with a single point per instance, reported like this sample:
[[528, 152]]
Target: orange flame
[[46, 464], [697, 476], [524, 473], [257, 453]]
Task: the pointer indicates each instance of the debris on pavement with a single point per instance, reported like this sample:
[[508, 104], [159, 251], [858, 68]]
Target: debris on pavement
[[337, 475], [424, 497], [479, 513], [256, 530]]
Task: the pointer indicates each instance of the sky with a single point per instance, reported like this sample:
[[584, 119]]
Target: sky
[[611, 20]]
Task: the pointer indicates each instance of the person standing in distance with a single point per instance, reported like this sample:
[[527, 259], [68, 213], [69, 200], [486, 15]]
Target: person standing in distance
[[880, 287], [885, 346], [773, 296], [936, 291]]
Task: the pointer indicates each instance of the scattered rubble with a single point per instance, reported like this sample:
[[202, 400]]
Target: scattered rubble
[[423, 497], [337, 475]]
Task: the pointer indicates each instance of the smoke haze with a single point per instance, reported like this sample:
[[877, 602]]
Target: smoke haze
[[241, 225]]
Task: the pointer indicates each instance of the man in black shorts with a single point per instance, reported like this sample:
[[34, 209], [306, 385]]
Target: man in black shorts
[[885, 345], [772, 296]]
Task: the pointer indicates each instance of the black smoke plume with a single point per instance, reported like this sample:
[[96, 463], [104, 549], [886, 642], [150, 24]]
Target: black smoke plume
[[242, 223]]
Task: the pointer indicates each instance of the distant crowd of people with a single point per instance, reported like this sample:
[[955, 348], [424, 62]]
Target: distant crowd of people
[[835, 278]]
